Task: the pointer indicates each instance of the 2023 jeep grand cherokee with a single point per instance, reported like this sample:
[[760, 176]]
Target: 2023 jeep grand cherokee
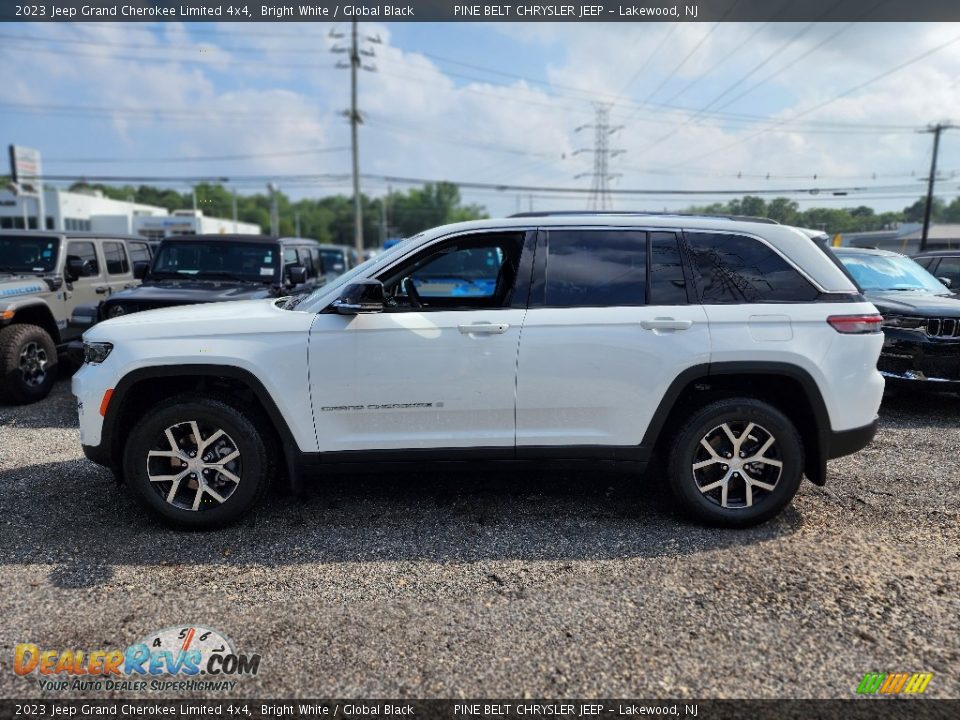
[[738, 350]]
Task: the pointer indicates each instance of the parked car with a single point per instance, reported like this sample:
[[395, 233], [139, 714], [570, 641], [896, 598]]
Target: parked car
[[192, 269], [43, 277], [921, 317], [337, 259], [943, 265], [740, 351]]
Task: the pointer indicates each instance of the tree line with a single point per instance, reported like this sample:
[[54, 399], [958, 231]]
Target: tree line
[[328, 219], [834, 220]]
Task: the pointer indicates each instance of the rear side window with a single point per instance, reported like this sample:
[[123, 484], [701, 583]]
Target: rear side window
[[949, 268], [139, 252], [738, 269], [116, 258], [667, 283], [596, 268], [86, 252]]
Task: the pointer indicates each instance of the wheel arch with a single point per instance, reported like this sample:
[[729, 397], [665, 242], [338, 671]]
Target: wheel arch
[[789, 388], [36, 313], [138, 390]]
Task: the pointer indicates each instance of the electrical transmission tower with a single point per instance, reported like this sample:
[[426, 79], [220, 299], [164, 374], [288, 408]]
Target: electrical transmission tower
[[601, 176], [353, 114]]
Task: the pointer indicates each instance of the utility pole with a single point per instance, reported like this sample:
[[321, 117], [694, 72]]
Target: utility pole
[[233, 195], [274, 210], [296, 221], [601, 176], [928, 208], [355, 64]]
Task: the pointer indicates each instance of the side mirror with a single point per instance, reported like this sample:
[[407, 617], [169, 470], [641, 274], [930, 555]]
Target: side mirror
[[361, 297], [296, 274], [946, 281], [140, 268], [76, 268]]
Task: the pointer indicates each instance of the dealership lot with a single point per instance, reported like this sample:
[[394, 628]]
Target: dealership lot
[[503, 583]]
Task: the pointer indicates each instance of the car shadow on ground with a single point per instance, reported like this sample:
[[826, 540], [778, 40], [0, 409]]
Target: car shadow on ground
[[72, 515]]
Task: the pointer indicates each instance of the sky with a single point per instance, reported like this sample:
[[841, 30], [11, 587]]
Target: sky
[[737, 107]]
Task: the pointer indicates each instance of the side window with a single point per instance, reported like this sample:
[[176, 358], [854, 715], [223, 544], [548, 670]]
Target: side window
[[139, 252], [116, 258], [87, 252], [289, 256], [667, 283], [949, 267], [315, 258], [305, 260], [477, 271], [596, 268], [738, 269]]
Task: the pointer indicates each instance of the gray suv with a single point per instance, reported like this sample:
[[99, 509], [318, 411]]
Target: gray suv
[[43, 277]]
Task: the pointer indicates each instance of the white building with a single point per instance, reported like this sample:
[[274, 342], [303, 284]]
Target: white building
[[90, 210]]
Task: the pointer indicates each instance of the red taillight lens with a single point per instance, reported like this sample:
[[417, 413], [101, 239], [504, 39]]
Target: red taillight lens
[[855, 324]]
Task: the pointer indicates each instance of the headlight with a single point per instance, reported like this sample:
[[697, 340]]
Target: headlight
[[95, 353], [903, 322]]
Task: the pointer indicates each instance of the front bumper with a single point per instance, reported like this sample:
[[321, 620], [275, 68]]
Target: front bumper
[[913, 357]]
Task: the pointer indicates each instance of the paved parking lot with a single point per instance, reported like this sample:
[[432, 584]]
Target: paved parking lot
[[504, 584]]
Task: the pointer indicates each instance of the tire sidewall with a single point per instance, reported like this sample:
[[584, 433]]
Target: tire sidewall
[[788, 442], [14, 387], [146, 435]]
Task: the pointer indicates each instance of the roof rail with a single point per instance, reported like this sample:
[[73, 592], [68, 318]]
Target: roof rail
[[629, 213]]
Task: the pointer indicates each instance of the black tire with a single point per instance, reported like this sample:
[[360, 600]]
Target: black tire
[[253, 467], [748, 503], [28, 363]]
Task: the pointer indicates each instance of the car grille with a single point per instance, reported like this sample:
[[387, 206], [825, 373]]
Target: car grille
[[943, 327]]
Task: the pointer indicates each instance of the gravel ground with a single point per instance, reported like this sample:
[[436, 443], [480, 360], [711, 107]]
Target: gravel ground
[[503, 584]]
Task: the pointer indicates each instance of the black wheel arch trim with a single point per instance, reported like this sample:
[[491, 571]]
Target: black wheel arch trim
[[106, 451], [816, 458]]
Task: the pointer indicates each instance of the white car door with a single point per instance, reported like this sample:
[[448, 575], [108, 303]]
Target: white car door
[[437, 368], [605, 335]]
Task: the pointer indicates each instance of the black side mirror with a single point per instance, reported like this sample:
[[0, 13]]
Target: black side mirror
[[76, 268], [140, 268], [296, 274], [363, 296]]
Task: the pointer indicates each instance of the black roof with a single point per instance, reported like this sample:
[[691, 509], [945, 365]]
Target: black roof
[[560, 213], [235, 238], [84, 234]]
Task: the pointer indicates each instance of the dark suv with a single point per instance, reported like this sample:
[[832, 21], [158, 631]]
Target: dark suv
[[194, 269], [921, 318], [943, 265]]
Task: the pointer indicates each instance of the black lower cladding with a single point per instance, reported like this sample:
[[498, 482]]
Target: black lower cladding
[[847, 442]]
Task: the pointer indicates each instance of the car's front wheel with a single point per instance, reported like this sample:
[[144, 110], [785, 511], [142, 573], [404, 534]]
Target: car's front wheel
[[28, 363], [736, 462], [198, 462]]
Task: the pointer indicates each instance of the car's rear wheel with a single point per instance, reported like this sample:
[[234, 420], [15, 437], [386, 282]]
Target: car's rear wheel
[[28, 363], [198, 462], [736, 462]]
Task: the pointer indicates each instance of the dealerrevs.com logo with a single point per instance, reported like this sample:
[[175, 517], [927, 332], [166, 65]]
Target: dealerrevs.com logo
[[175, 660]]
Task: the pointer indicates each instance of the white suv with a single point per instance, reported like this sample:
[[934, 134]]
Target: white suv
[[738, 350]]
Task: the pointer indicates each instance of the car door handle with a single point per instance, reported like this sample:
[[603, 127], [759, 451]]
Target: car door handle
[[665, 324], [101, 290], [483, 328]]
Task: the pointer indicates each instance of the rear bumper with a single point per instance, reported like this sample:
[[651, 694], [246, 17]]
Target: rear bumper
[[847, 442]]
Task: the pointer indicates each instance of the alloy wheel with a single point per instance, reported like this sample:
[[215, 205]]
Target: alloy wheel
[[737, 464], [194, 466], [33, 364]]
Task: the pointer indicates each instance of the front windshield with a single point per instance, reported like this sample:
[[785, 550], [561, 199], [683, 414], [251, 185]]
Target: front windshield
[[26, 254], [249, 262], [890, 272]]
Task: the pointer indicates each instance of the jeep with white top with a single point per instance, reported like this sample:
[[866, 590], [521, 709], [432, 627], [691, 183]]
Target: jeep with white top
[[44, 276], [737, 350]]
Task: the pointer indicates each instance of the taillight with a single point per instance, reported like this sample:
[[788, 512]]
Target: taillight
[[855, 324]]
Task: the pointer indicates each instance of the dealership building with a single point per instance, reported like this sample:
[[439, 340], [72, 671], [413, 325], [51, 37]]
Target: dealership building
[[90, 210]]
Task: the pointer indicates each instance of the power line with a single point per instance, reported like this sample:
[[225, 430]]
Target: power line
[[829, 101], [198, 158]]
